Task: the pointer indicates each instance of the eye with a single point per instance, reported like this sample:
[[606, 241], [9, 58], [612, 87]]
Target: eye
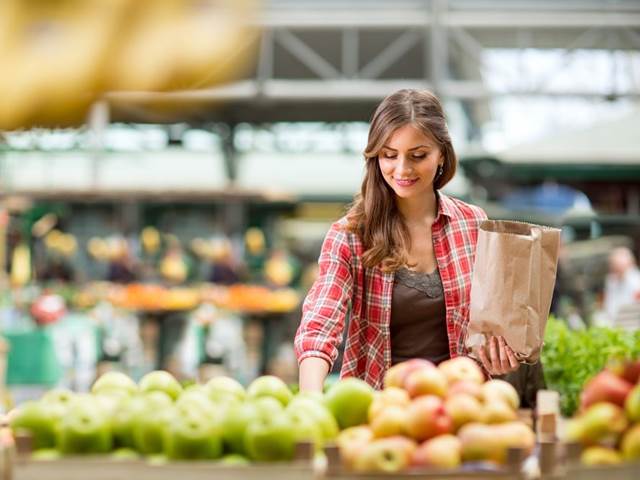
[[388, 155], [419, 155]]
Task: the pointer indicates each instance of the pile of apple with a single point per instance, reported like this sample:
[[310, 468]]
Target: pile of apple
[[608, 422], [436, 417], [159, 419]]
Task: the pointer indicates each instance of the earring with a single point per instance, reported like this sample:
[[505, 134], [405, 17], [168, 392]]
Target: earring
[[440, 171]]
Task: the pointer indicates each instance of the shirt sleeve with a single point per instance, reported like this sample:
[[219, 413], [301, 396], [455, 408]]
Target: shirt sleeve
[[325, 306]]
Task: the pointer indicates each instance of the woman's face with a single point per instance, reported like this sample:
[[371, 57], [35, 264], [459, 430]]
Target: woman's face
[[409, 161]]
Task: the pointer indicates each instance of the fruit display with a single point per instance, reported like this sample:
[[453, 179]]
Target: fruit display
[[159, 419], [427, 416], [608, 422]]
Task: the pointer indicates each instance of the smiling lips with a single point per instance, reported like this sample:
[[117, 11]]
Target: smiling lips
[[406, 182]]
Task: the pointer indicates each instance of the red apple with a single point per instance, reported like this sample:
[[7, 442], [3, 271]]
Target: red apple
[[605, 387], [480, 443], [463, 409], [351, 441], [515, 435], [626, 369], [394, 377], [428, 418], [444, 451], [386, 397], [392, 420], [392, 454], [498, 411], [466, 387], [426, 381], [461, 368]]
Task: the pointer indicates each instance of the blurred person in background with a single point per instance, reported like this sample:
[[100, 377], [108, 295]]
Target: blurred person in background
[[401, 258], [122, 266], [224, 270], [622, 285]]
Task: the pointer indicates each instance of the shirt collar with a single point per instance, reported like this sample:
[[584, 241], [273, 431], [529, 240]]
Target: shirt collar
[[445, 206]]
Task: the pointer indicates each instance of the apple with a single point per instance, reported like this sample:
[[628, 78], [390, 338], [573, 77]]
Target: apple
[[443, 451], [161, 381], [463, 409], [149, 426], [270, 386], [392, 454], [192, 436], [38, 419], [114, 381], [630, 444], [125, 454], [320, 414], [306, 429], [123, 419], [271, 438], [395, 376], [351, 441], [267, 406], [515, 435], [462, 368], [196, 400], [427, 418], [84, 428], [234, 425], [499, 390], [386, 397], [59, 396], [391, 421], [632, 405], [426, 381], [600, 456], [598, 423], [605, 387], [225, 389], [233, 459], [349, 400], [626, 368], [480, 443], [498, 411], [466, 387]]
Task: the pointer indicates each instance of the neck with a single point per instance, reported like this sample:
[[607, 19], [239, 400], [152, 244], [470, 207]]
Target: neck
[[418, 209]]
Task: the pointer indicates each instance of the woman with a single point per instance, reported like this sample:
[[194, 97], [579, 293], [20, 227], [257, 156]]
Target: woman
[[401, 259]]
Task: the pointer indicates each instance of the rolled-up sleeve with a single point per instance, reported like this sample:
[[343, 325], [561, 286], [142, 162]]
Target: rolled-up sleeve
[[325, 306]]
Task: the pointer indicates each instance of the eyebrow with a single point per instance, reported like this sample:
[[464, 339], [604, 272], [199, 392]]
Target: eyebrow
[[414, 148]]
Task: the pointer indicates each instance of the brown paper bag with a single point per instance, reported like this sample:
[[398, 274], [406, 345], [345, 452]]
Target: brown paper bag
[[512, 285]]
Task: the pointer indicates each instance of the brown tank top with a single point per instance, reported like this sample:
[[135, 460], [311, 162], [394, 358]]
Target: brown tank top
[[418, 317]]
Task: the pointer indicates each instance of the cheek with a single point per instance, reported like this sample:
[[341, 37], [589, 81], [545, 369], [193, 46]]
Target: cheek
[[386, 167]]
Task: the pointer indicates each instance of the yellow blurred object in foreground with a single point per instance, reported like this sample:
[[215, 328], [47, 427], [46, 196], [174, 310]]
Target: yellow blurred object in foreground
[[59, 56]]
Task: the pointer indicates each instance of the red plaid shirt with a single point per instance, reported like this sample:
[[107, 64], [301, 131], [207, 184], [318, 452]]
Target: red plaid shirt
[[343, 281]]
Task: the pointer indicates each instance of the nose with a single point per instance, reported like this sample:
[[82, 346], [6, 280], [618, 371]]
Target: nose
[[403, 166]]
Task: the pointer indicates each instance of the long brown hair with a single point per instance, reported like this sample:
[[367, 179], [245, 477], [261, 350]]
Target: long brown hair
[[374, 216]]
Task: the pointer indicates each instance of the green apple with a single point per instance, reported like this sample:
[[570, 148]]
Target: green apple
[[196, 400], [349, 400], [84, 428], [125, 417], [114, 381], [632, 404], [125, 454], [149, 425], [225, 389], [319, 412], [270, 439], [59, 396], [193, 436], [235, 423], [161, 381], [45, 455], [306, 429], [39, 420], [233, 459], [267, 406], [270, 386]]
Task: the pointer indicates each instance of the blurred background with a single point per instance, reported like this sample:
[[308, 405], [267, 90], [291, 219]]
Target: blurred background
[[168, 169]]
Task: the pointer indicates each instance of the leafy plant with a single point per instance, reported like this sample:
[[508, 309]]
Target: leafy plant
[[571, 357]]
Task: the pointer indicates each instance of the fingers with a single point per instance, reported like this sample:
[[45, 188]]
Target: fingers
[[504, 359], [513, 361], [485, 361], [494, 356]]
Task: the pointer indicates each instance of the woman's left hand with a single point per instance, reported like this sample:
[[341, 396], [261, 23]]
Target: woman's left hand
[[500, 359]]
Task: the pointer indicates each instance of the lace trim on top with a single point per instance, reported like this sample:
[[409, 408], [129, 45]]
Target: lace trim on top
[[428, 283]]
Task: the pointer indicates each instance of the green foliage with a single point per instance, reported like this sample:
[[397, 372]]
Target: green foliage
[[571, 357]]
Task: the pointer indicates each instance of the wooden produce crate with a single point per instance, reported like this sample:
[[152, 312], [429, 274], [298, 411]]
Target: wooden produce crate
[[559, 460], [511, 471], [19, 466]]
